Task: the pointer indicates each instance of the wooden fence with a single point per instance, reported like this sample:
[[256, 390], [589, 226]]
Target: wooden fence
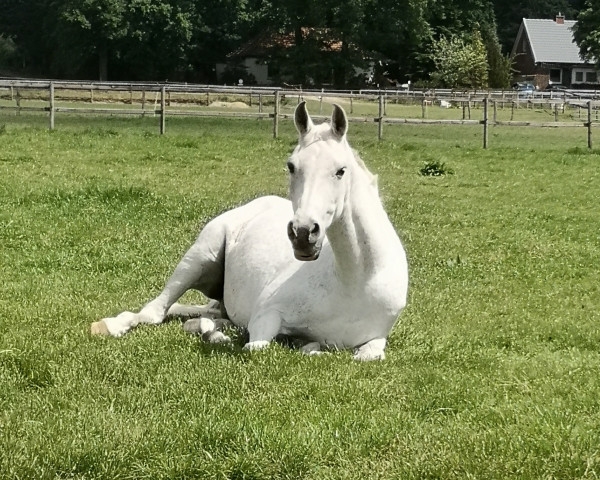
[[162, 106]]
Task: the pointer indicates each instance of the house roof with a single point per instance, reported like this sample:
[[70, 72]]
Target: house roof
[[550, 41], [264, 43]]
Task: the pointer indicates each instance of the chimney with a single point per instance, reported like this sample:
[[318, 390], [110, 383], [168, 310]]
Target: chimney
[[560, 19]]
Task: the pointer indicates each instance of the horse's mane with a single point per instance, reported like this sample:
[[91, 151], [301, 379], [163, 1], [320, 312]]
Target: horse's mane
[[372, 177]]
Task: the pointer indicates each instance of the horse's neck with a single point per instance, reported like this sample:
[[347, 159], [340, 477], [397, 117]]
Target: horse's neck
[[363, 237]]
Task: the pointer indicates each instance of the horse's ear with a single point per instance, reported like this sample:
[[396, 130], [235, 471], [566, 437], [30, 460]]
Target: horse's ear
[[302, 119], [339, 122]]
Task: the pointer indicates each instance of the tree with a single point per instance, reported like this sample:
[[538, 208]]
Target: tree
[[30, 25], [460, 64], [587, 32], [499, 64], [400, 33], [219, 26], [157, 39], [347, 20], [96, 26]]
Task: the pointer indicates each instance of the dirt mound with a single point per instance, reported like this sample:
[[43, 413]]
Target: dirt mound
[[229, 105]]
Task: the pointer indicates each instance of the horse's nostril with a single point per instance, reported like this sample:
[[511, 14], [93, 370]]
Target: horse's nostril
[[315, 229], [291, 231]]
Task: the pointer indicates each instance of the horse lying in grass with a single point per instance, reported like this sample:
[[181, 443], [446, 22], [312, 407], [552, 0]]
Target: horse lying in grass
[[343, 282]]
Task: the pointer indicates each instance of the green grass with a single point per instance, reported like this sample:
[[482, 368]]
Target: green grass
[[493, 370]]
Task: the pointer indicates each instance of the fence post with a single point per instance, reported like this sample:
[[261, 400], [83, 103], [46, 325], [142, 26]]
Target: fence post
[[385, 105], [423, 107], [321, 102], [469, 106], [276, 115], [495, 112], [589, 123], [380, 125], [163, 107], [18, 99], [485, 122], [51, 106]]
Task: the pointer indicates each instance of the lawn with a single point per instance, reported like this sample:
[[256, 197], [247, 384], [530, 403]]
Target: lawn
[[492, 371]]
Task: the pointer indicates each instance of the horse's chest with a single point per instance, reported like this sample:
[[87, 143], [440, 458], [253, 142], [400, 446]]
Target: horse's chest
[[339, 317]]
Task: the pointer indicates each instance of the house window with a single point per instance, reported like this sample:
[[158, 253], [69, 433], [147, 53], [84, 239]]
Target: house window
[[555, 75], [585, 76]]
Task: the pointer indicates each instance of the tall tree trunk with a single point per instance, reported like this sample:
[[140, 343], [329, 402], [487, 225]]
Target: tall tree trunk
[[300, 70], [341, 68], [298, 38], [103, 61]]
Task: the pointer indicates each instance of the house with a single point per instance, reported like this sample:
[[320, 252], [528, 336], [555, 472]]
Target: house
[[250, 61], [546, 54], [259, 61]]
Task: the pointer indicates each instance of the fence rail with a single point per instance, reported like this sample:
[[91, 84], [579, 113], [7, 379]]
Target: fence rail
[[156, 100]]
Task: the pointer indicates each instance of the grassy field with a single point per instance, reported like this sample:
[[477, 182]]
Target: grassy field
[[492, 372]]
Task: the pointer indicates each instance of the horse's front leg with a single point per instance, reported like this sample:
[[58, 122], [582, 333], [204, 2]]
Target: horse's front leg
[[263, 328], [152, 313], [190, 272], [372, 350]]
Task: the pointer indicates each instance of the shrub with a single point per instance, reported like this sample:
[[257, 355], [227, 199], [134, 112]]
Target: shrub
[[436, 169]]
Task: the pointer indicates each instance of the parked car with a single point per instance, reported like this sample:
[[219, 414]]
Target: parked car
[[525, 90], [555, 87]]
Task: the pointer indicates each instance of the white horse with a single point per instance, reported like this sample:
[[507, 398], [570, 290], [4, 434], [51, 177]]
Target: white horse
[[341, 285]]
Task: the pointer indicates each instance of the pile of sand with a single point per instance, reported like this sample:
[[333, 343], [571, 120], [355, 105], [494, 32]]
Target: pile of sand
[[229, 105]]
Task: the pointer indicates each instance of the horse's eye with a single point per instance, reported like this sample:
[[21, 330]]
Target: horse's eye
[[340, 172], [291, 167]]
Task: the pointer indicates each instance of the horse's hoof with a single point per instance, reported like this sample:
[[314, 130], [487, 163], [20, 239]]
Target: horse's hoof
[[258, 345], [100, 328], [199, 326], [218, 337], [312, 348], [369, 355]]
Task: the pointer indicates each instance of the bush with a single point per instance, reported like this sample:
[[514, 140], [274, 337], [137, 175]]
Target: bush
[[435, 169]]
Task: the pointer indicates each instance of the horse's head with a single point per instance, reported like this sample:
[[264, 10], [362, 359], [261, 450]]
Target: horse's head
[[319, 168]]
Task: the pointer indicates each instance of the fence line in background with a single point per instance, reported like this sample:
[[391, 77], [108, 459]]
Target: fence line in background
[[382, 97]]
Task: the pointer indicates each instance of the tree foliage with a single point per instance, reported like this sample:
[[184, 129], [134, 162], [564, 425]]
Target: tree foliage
[[184, 39], [460, 64], [587, 32]]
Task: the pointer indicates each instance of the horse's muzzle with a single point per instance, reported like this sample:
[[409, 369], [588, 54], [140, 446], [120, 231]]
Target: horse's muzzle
[[305, 241]]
